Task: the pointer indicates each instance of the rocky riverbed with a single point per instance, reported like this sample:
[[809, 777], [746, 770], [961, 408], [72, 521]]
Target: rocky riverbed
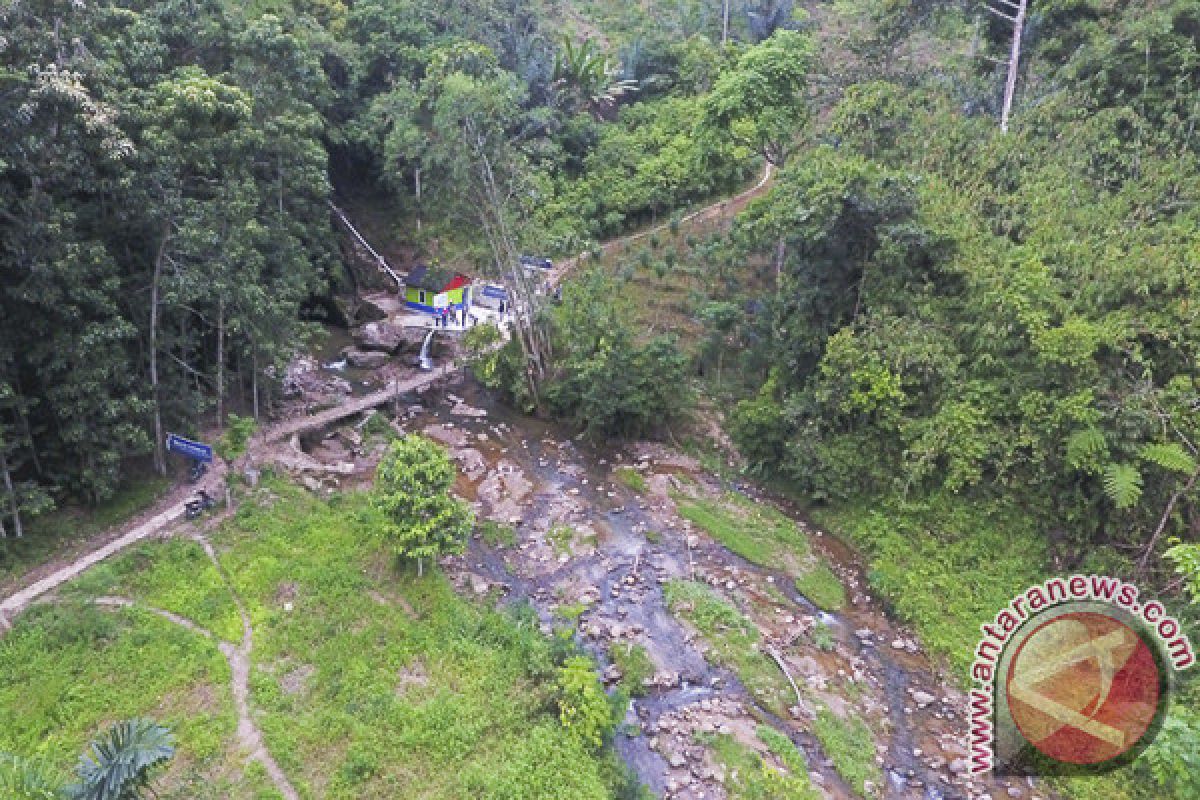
[[589, 548]]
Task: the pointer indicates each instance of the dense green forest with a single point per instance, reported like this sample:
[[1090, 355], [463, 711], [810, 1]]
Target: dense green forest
[[166, 169]]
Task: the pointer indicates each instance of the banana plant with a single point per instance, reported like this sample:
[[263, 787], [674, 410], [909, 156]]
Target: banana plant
[[585, 76]]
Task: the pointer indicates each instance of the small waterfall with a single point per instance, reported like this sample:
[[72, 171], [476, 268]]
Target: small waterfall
[[425, 361]]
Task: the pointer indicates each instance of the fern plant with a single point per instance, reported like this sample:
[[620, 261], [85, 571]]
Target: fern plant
[[1085, 448], [119, 762], [1123, 485], [1171, 457]]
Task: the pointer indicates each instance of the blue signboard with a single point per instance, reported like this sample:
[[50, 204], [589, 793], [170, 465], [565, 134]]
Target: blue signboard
[[496, 292], [193, 450]]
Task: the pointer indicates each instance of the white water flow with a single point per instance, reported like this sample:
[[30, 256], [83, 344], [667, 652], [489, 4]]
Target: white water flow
[[425, 361]]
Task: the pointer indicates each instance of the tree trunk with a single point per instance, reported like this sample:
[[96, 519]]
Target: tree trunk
[[221, 362], [534, 345], [1014, 62], [780, 251], [724, 22], [160, 459], [417, 187], [27, 429], [12, 496], [254, 379]]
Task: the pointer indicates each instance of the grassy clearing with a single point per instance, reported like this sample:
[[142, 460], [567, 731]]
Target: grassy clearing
[[51, 535], [376, 684], [631, 479], [450, 701], [732, 639], [635, 665], [174, 575], [750, 777], [757, 533], [70, 669], [848, 743]]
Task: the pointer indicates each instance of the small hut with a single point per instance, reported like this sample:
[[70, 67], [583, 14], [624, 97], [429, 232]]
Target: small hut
[[430, 290]]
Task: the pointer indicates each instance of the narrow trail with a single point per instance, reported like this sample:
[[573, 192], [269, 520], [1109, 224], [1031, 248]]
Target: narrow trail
[[713, 211], [237, 655], [170, 509]]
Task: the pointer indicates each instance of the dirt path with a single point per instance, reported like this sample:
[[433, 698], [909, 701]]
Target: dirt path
[[238, 655], [726, 207], [168, 510]]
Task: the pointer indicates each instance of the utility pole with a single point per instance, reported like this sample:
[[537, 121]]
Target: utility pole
[[1017, 18]]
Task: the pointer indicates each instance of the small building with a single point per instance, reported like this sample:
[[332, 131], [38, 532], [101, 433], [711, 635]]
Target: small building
[[430, 290], [492, 296]]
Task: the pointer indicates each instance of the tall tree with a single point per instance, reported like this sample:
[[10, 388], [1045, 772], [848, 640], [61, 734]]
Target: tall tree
[[412, 491]]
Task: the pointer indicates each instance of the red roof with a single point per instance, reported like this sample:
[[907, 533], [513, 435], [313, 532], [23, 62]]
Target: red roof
[[458, 282]]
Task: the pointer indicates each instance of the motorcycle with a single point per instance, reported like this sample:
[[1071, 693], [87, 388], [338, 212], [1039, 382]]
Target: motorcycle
[[193, 509]]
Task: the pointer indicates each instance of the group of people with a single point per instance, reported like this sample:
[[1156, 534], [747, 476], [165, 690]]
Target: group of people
[[453, 315]]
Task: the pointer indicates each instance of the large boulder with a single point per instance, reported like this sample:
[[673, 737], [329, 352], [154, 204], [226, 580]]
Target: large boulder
[[372, 309], [388, 338], [364, 359]]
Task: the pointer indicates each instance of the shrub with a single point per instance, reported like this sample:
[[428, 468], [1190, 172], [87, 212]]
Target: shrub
[[583, 707], [237, 434]]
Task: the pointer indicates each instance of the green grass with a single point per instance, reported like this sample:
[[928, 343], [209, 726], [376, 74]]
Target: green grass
[[822, 637], [820, 585], [497, 534], [732, 639], [560, 537], [756, 532], [53, 534], [750, 777], [630, 478], [635, 665], [571, 612], [173, 575], [69, 670], [765, 536], [847, 742], [453, 700], [407, 690]]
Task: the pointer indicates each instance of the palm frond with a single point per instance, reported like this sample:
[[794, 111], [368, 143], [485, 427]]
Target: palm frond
[[118, 763]]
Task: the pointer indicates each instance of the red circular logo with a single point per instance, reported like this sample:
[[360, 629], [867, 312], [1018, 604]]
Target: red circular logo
[[1083, 688]]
